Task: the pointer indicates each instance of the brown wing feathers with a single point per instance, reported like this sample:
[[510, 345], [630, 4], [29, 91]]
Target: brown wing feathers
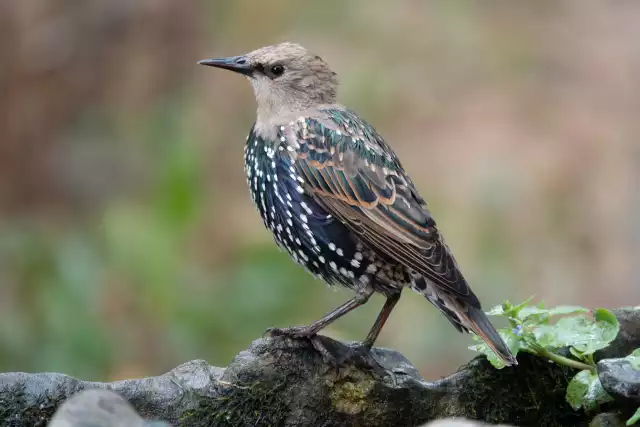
[[378, 203]]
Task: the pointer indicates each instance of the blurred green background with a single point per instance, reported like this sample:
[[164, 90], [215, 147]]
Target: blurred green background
[[128, 243]]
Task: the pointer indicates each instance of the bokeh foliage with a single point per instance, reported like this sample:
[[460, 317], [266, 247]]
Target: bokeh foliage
[[127, 240]]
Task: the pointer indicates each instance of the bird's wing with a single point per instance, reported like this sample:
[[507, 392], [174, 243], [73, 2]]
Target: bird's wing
[[358, 179]]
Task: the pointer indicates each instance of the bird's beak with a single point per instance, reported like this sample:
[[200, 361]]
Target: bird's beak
[[239, 64]]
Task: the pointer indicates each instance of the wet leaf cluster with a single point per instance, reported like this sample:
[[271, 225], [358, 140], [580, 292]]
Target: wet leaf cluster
[[550, 333]]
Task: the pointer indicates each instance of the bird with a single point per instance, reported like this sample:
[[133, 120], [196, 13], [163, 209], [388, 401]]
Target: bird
[[337, 199]]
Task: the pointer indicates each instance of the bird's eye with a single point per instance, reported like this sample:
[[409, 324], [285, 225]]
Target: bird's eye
[[277, 70]]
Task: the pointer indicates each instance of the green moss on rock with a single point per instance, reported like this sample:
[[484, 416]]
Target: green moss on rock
[[531, 394], [16, 410], [256, 403], [351, 397]]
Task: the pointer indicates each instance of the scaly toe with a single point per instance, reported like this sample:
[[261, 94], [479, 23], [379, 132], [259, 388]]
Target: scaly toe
[[292, 332]]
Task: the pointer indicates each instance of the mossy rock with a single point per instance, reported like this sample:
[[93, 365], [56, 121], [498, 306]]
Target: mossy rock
[[284, 382]]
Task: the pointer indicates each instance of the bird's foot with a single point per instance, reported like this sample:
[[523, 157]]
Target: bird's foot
[[336, 355], [304, 332], [362, 356], [291, 332]]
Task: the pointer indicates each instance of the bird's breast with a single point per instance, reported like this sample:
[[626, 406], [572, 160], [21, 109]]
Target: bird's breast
[[299, 224]]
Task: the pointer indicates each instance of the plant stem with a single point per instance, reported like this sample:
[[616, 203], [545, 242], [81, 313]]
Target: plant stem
[[561, 360]]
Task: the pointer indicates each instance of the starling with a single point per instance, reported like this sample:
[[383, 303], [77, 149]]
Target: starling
[[337, 199]]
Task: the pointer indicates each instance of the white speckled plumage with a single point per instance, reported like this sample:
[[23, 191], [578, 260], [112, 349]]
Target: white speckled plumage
[[337, 199]]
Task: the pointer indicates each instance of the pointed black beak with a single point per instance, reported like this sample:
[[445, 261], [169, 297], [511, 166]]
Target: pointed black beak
[[239, 64]]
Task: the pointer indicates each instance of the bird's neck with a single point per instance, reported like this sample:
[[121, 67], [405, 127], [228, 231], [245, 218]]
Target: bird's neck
[[271, 117], [277, 107], [273, 110]]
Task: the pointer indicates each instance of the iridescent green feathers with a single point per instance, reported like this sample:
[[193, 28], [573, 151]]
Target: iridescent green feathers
[[358, 179], [337, 199]]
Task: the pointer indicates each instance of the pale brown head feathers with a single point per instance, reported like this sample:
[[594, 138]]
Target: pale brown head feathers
[[286, 79]]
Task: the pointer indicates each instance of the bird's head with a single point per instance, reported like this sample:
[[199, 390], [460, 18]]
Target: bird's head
[[286, 78]]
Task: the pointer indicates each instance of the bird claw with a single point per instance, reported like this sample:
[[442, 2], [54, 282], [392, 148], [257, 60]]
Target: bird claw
[[302, 332], [362, 356], [333, 354], [357, 354], [291, 332]]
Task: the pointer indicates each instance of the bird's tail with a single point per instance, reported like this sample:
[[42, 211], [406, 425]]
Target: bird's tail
[[466, 316], [478, 322]]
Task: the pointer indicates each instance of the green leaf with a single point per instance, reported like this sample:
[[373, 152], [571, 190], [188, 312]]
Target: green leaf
[[534, 315], [586, 335], [528, 311], [507, 309], [585, 391], [634, 359], [607, 323], [498, 310], [575, 353], [512, 340], [606, 316], [634, 418], [528, 341], [515, 310], [567, 309]]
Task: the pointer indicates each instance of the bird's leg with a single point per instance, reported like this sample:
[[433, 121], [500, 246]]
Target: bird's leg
[[361, 297], [360, 353], [391, 302]]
